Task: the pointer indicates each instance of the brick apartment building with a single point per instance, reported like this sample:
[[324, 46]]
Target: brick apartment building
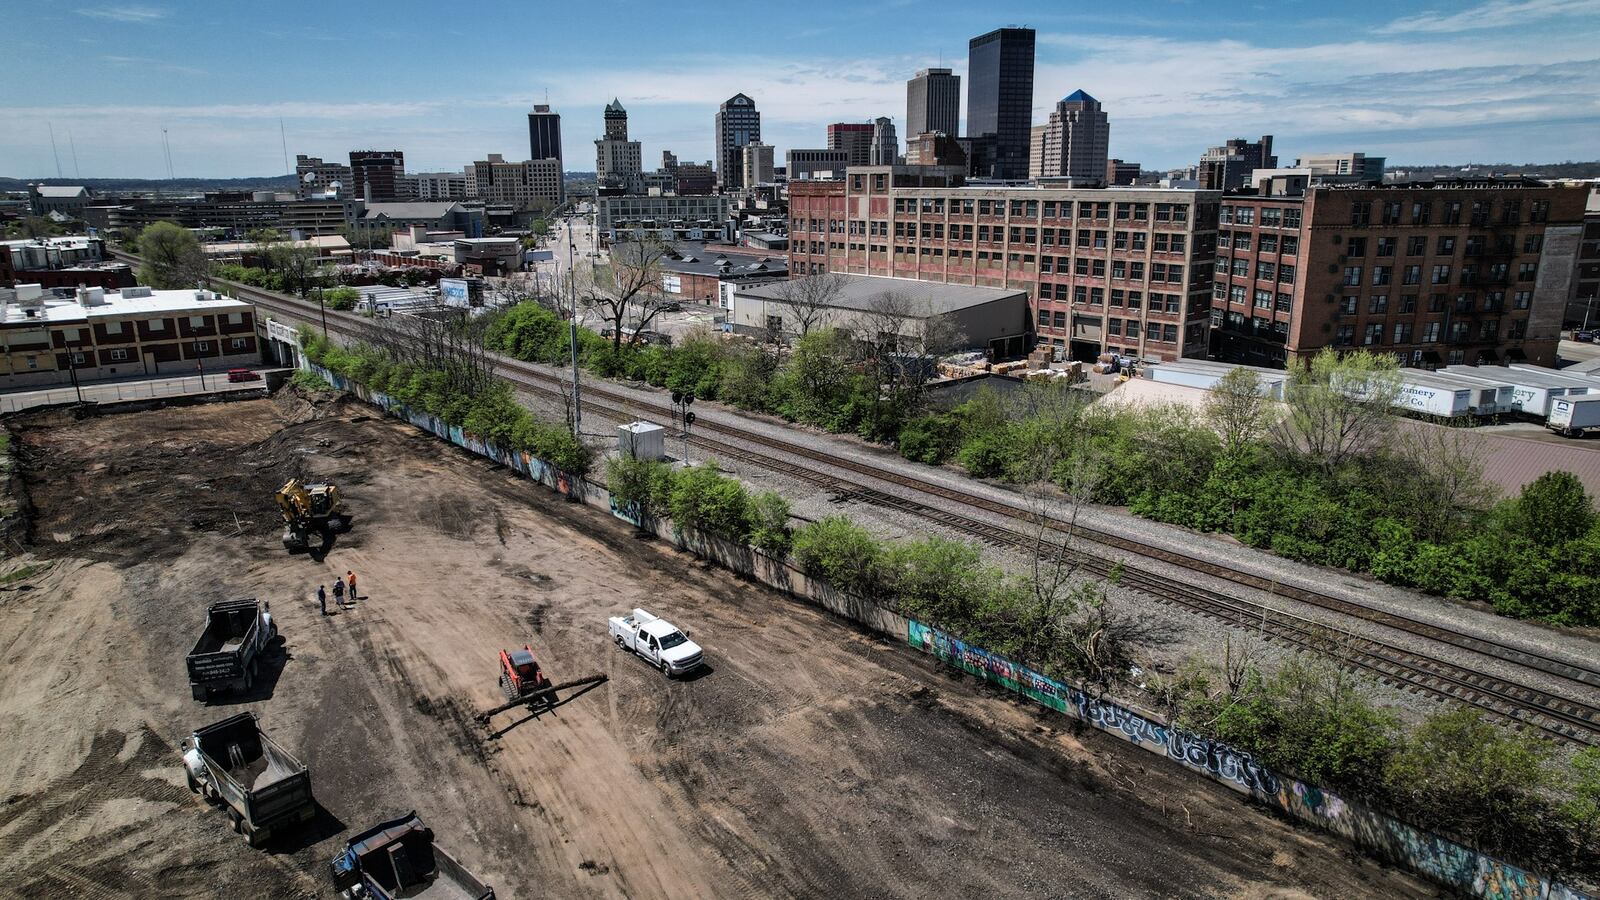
[[45, 339], [1438, 273], [1126, 270]]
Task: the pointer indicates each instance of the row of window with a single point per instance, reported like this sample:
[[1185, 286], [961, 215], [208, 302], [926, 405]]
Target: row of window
[[1160, 332], [1479, 213], [1052, 209], [1372, 335], [123, 354], [1271, 216], [1289, 245], [1119, 298], [1265, 271], [1264, 299], [1493, 301], [1470, 274], [1162, 242]]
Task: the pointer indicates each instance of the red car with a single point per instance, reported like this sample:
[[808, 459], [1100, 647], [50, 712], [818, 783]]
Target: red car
[[243, 375]]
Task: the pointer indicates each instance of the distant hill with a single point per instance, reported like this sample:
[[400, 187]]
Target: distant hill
[[1567, 169], [151, 185]]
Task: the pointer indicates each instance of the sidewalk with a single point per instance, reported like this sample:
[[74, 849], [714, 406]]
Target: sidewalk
[[141, 389]]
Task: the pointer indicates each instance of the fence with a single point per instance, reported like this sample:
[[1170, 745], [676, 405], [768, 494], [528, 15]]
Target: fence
[[1444, 861], [147, 389]]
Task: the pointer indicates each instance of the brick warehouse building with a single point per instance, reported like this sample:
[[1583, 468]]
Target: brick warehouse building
[[45, 339], [1439, 273], [1120, 269]]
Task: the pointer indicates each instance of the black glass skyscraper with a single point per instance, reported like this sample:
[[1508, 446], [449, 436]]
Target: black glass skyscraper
[[544, 138], [1000, 96]]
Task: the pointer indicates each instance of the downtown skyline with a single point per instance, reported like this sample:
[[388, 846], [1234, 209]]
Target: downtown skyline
[[1497, 81]]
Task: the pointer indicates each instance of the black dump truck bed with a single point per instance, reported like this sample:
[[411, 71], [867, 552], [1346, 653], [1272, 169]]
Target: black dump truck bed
[[224, 649], [258, 778]]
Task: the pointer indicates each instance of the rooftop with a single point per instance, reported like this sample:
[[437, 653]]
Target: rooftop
[[411, 210], [61, 190], [936, 298], [127, 303]]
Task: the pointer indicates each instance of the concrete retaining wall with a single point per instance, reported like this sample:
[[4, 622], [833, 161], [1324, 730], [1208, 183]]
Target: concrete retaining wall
[[1441, 860]]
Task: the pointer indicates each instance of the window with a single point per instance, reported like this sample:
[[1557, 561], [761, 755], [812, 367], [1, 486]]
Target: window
[[1345, 336], [1412, 275], [1386, 246], [120, 354], [1374, 334], [1135, 299], [1139, 240], [1402, 333], [77, 359], [1241, 241], [1378, 304], [1285, 302], [156, 325], [33, 362], [1291, 245], [1430, 333], [1269, 243], [1517, 330], [1446, 246], [1348, 305], [205, 346], [1452, 213], [1416, 245], [1119, 269], [239, 343], [1114, 327], [1361, 214], [1522, 298], [1355, 247], [1241, 267], [1408, 303], [1382, 274], [1044, 319], [1527, 271], [1263, 299], [1286, 274], [1540, 211], [1118, 297], [1271, 216], [1152, 331], [1441, 274], [1391, 212], [1421, 210], [1169, 333], [1291, 219], [1266, 271], [1533, 243], [113, 328], [1352, 275]]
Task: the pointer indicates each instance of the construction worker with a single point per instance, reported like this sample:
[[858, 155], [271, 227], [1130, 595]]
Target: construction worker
[[322, 598], [351, 576], [338, 592]]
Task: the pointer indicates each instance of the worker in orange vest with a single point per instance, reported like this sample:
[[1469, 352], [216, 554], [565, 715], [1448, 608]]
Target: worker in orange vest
[[351, 577]]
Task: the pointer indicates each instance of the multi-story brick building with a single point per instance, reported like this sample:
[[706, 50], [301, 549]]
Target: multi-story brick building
[[1438, 273], [1121, 269], [46, 340]]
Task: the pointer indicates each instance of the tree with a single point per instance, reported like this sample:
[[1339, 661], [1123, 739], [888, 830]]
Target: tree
[[1340, 407], [32, 227], [366, 237], [626, 292], [900, 341], [1239, 410], [1553, 509], [296, 263], [172, 257], [804, 302]]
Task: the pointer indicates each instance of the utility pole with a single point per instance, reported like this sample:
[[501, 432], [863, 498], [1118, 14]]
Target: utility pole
[[324, 307], [572, 328]]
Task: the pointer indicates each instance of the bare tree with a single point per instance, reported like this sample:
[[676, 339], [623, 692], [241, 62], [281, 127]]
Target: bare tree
[[626, 292], [805, 301], [451, 342], [1443, 483], [900, 341], [1238, 409], [1340, 407]]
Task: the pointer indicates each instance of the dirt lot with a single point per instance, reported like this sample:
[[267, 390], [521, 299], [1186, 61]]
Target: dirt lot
[[811, 760]]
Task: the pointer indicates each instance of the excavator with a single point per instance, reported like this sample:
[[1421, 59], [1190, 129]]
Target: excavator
[[308, 507]]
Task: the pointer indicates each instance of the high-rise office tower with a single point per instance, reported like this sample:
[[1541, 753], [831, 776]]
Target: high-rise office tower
[[738, 123], [933, 103], [1075, 143], [855, 139], [757, 162], [544, 137], [1000, 96], [885, 143], [1229, 166], [618, 161], [377, 175]]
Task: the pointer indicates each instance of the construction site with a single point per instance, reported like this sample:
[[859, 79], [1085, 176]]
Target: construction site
[[805, 758]]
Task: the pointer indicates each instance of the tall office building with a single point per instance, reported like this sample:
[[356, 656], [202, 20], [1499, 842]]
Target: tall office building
[[377, 175], [757, 162], [738, 123], [1000, 96], [1074, 143], [885, 143], [618, 162], [855, 139], [313, 176], [544, 137], [933, 103], [1229, 166]]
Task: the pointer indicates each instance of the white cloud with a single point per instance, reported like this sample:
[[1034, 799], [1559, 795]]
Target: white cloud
[[132, 14], [1493, 14]]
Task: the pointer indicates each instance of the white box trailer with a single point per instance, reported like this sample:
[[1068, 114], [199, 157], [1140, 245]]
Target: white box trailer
[[1450, 396], [1571, 416], [1531, 391], [1204, 374], [642, 440]]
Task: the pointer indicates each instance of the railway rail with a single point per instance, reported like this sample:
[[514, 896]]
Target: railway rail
[[1565, 719]]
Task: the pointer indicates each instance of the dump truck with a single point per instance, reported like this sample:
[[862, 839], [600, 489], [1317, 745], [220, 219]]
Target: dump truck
[[398, 859], [226, 657], [309, 507], [658, 641], [262, 786]]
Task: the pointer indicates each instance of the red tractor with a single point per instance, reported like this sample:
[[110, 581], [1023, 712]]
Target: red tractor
[[520, 676]]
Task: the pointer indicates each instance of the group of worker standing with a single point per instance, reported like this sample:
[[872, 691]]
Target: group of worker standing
[[339, 591]]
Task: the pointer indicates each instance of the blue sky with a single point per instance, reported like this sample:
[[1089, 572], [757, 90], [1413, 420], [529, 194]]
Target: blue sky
[[1415, 80]]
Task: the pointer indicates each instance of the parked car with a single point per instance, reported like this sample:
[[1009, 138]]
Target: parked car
[[660, 642], [1585, 336], [237, 375]]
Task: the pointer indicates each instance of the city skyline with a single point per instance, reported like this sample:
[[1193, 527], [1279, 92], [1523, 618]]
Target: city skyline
[[1496, 81]]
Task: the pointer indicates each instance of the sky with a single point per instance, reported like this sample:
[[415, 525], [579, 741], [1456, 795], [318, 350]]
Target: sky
[[1418, 81]]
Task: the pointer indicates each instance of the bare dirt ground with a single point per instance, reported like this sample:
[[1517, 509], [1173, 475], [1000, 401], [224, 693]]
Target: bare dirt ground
[[810, 760]]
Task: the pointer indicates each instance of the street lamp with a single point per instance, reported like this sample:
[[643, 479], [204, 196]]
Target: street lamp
[[324, 307], [572, 330]]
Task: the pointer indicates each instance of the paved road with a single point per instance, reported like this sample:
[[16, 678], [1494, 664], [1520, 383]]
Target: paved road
[[112, 392]]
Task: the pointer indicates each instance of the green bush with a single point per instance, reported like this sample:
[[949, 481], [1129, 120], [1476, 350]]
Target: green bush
[[307, 380], [703, 499], [842, 552], [769, 523], [342, 298]]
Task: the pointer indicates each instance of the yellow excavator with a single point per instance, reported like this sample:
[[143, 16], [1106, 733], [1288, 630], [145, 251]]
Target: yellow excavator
[[307, 508]]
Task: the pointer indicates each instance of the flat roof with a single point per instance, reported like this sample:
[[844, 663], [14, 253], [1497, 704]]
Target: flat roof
[[61, 310], [1531, 376], [936, 297], [1446, 381], [1213, 367]]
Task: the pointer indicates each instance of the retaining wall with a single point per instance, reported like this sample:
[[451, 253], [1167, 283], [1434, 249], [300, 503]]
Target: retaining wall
[[1439, 859]]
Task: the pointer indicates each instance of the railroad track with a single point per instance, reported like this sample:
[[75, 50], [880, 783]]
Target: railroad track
[[1564, 719]]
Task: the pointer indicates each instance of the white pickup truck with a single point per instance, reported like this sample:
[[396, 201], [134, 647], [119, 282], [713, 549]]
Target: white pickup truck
[[658, 641]]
